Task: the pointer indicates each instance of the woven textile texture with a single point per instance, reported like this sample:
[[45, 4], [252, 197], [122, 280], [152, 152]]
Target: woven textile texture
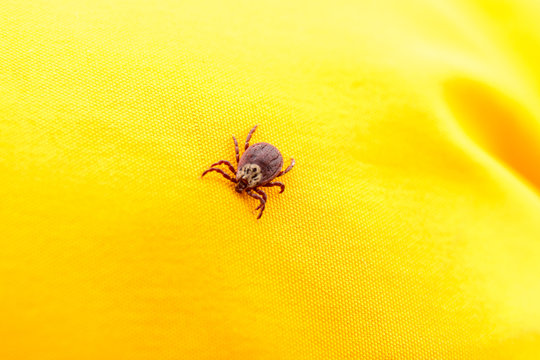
[[409, 227]]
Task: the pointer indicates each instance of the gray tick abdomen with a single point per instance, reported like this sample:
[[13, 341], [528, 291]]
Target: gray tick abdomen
[[265, 155]]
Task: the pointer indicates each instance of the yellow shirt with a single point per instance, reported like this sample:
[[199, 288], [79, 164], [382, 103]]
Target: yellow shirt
[[409, 227]]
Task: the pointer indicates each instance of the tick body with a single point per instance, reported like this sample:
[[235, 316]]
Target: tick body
[[259, 165]]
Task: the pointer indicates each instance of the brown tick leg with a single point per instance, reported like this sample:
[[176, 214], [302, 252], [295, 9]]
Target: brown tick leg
[[226, 163], [261, 206], [225, 175], [263, 194], [286, 170], [249, 136], [276, 183], [236, 150]]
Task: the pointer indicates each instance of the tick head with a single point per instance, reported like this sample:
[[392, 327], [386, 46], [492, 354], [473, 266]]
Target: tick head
[[248, 176], [241, 186]]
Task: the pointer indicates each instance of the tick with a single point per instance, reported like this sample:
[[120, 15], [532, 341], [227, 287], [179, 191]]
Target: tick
[[257, 167]]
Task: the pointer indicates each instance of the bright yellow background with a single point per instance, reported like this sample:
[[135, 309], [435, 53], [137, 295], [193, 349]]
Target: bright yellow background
[[409, 228]]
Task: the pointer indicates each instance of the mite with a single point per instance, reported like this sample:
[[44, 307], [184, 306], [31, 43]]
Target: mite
[[259, 165]]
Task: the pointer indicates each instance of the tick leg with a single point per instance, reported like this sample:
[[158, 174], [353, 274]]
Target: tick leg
[[281, 173], [236, 149], [249, 136], [261, 206], [226, 163], [263, 194], [276, 183], [225, 175]]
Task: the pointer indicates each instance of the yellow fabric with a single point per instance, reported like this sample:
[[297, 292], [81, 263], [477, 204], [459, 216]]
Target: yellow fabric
[[409, 228]]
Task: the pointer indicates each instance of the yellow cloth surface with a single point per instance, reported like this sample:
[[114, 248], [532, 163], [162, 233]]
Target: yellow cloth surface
[[409, 227]]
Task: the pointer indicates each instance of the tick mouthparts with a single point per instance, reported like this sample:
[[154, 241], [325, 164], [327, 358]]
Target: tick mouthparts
[[240, 186]]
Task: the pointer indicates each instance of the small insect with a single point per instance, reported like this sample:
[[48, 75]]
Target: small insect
[[259, 165]]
